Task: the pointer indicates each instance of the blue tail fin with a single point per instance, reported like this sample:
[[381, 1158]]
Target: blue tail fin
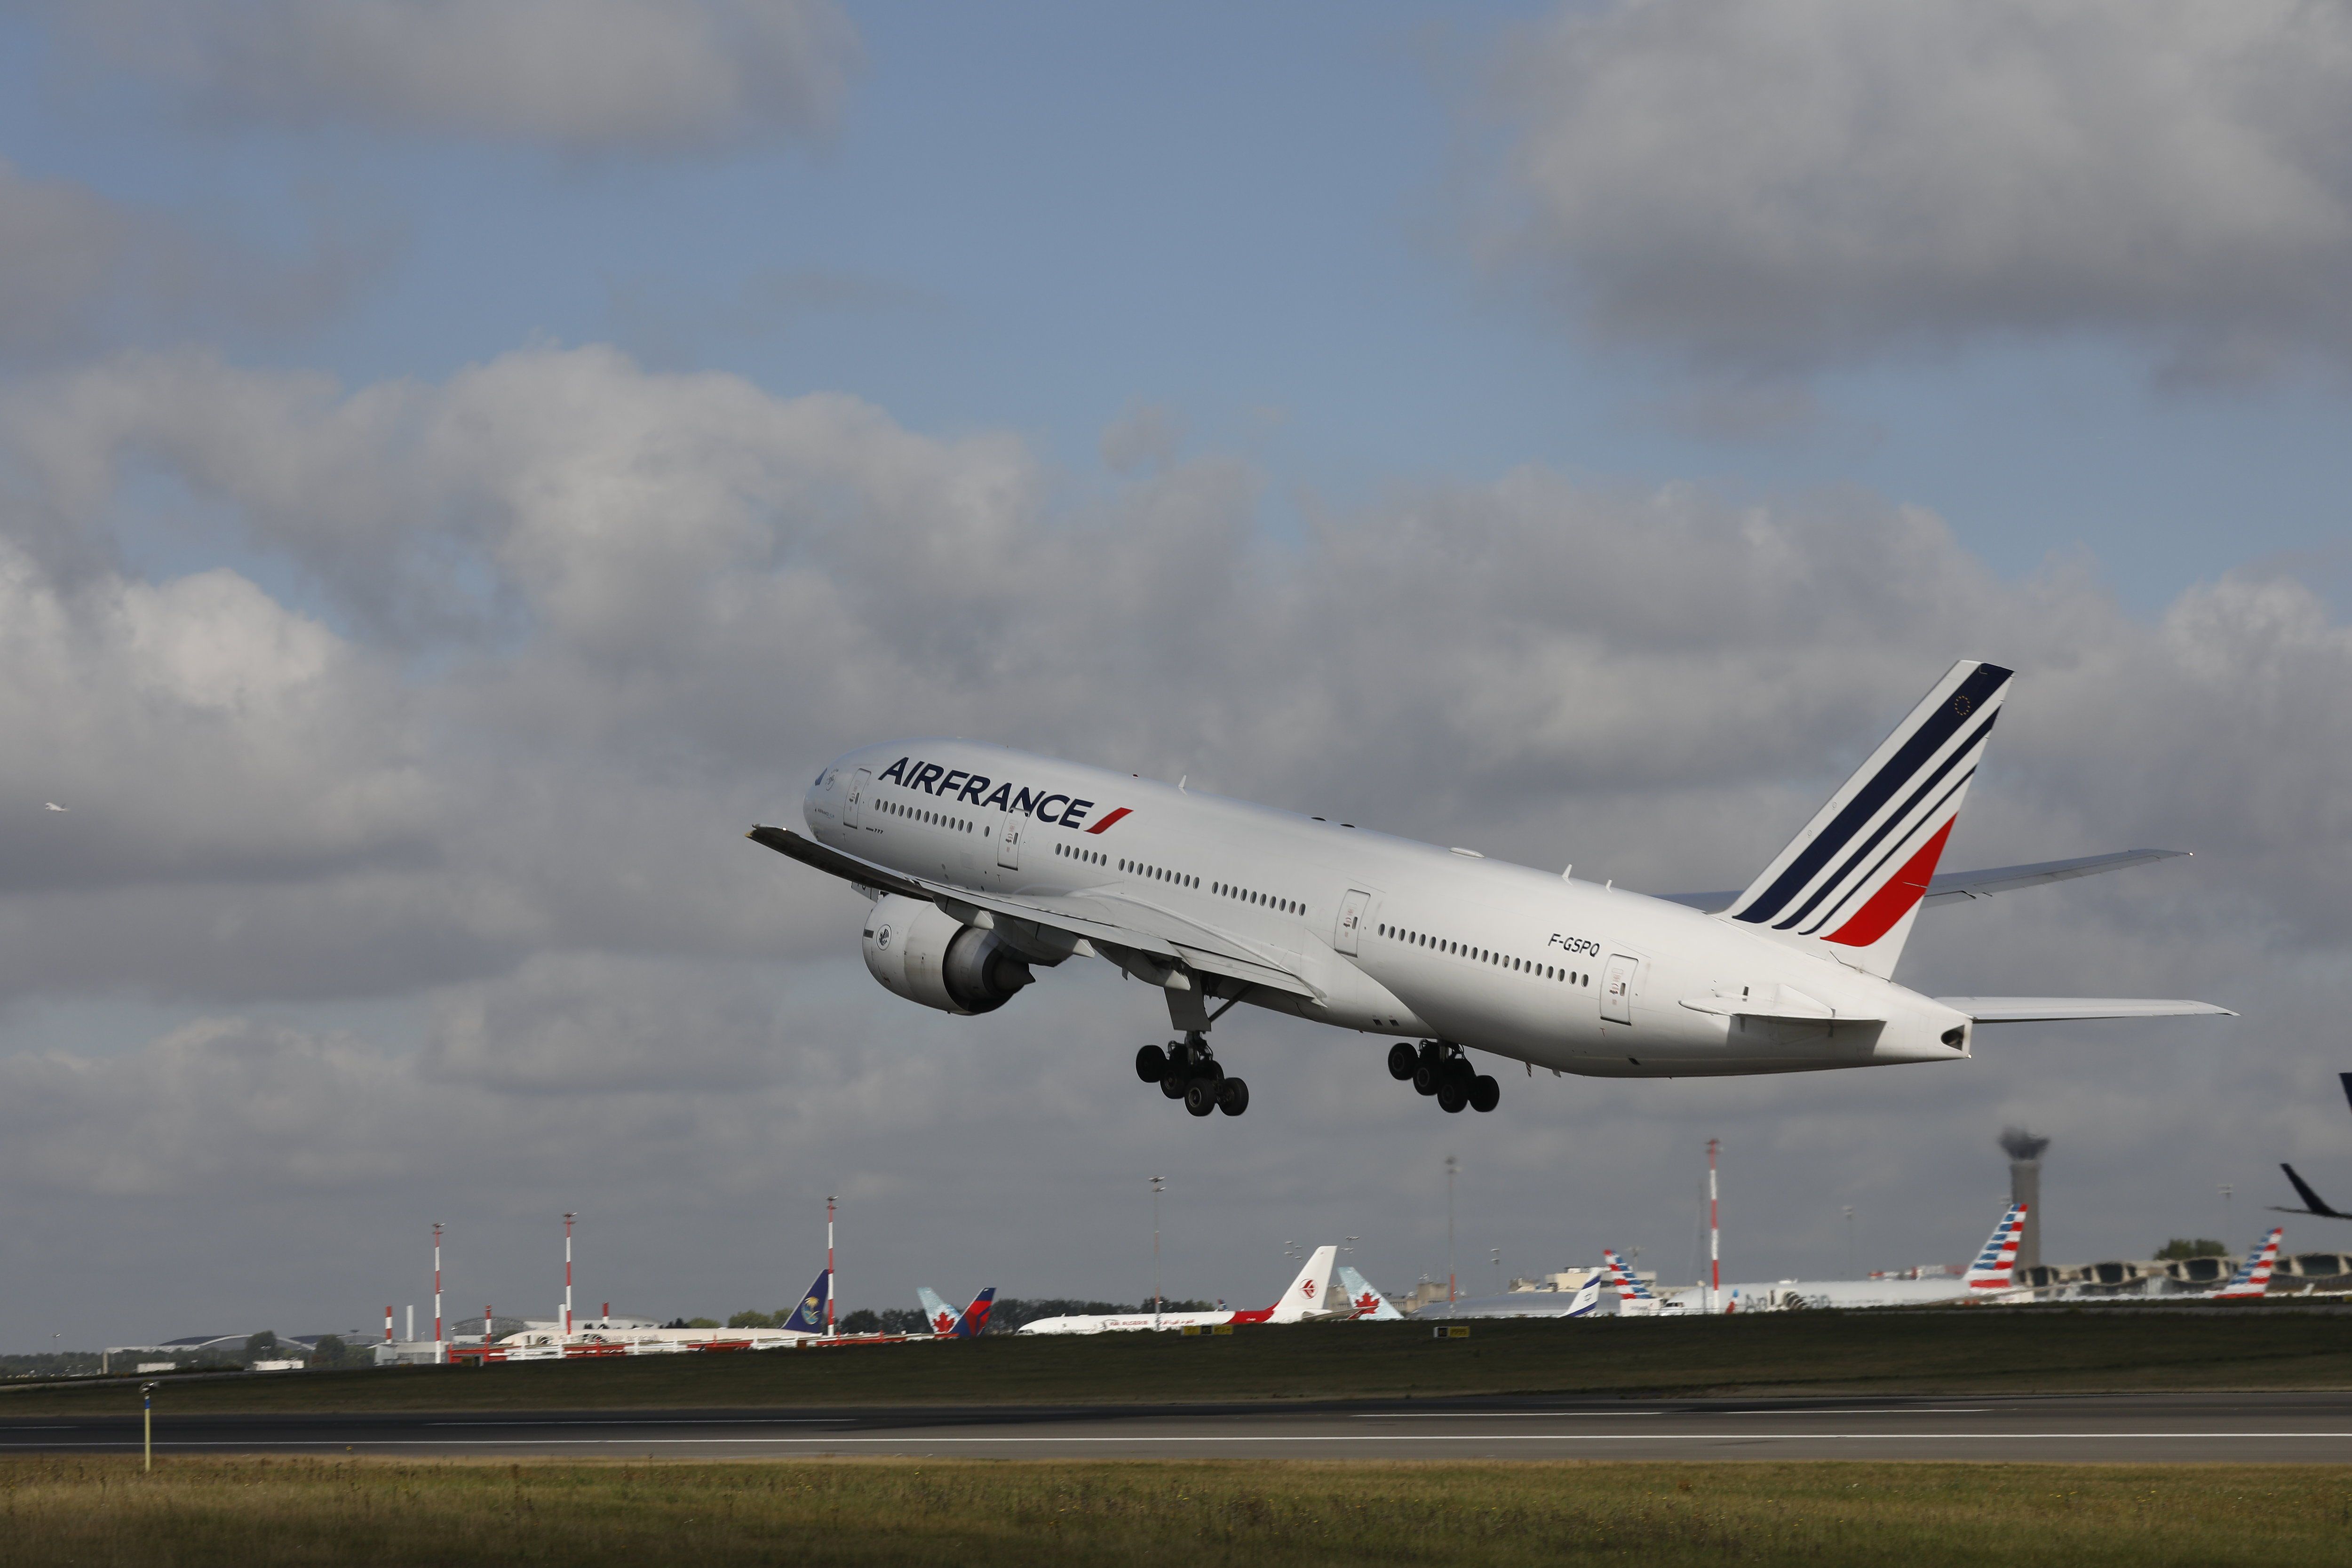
[[975, 1317], [808, 1317]]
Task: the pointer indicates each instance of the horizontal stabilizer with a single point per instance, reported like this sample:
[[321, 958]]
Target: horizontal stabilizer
[[1956, 886], [2059, 1009]]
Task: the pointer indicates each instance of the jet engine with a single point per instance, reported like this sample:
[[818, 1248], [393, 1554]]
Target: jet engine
[[927, 955]]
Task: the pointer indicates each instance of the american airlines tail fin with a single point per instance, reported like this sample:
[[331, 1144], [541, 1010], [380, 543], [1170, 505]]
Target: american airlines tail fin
[[1996, 1267], [808, 1317], [936, 1312], [1369, 1305], [1629, 1284], [1855, 876], [2254, 1276], [974, 1318], [1309, 1295]]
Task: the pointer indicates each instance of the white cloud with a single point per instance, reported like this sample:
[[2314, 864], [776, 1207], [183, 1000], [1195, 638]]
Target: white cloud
[[579, 624], [658, 77], [1766, 187], [83, 271]]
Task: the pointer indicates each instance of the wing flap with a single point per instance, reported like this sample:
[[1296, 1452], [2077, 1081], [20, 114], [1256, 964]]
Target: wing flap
[[2059, 1009]]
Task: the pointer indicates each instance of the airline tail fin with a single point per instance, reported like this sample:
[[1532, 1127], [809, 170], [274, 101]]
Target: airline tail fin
[[2254, 1276], [1855, 874], [1996, 1267], [936, 1312], [2312, 1202], [973, 1319], [1369, 1305], [1588, 1295], [1629, 1284], [808, 1317], [1309, 1295]]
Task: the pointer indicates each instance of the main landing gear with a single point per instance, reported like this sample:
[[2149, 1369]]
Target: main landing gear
[[1439, 1067], [1185, 1069]]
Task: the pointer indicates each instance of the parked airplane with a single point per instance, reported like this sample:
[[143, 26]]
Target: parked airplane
[[1991, 1278], [2253, 1280], [986, 864], [946, 1322], [1582, 1302], [2313, 1204], [1308, 1298], [1370, 1305]]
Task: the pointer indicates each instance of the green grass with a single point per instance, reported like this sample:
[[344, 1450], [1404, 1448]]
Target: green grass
[[237, 1514], [1981, 1351]]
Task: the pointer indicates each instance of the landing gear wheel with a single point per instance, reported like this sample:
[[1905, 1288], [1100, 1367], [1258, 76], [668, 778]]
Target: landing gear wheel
[[1200, 1097], [1150, 1064], [1233, 1097], [1207, 1068], [1485, 1094], [1452, 1096], [1402, 1059], [1428, 1078], [1172, 1086]]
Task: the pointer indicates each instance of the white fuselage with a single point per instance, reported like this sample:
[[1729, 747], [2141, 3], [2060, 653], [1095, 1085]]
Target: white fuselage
[[1392, 936], [1127, 1322]]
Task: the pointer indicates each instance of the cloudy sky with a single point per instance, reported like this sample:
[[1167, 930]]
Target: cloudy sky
[[460, 465]]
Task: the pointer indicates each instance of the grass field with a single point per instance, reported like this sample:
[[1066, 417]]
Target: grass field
[[192, 1514], [1982, 1351]]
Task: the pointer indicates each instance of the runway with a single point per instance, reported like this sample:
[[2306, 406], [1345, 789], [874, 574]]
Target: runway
[[2130, 1429]]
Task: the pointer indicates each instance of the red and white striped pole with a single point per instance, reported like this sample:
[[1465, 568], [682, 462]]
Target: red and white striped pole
[[486, 1323], [387, 1325], [1714, 1247], [832, 1280], [436, 1294], [568, 1218]]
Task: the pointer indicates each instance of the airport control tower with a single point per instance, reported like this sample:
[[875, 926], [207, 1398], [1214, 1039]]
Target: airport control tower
[[2025, 1187]]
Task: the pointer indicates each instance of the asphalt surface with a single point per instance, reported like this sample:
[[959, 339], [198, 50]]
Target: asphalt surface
[[2137, 1428]]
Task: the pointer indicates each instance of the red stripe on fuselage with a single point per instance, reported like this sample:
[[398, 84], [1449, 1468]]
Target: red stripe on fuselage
[[1894, 901], [1106, 821]]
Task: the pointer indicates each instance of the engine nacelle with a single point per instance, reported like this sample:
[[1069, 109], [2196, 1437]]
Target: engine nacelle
[[927, 955]]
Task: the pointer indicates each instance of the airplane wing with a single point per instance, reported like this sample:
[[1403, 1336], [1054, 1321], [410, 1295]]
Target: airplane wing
[[2057, 1009], [1133, 932], [1951, 887], [2313, 1202]]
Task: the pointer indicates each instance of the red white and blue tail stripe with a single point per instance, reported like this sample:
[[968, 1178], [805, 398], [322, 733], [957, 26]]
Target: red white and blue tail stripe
[[1996, 1267], [1629, 1284], [2254, 1276], [973, 1319], [1855, 876]]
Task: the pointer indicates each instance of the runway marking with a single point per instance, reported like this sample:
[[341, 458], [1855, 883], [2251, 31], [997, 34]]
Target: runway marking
[[1301, 1437], [716, 1421]]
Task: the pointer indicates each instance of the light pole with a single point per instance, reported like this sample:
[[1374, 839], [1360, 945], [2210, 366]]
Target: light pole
[[1497, 1253], [1850, 1270], [2227, 1221], [147, 1420], [1159, 1185], [1452, 1167]]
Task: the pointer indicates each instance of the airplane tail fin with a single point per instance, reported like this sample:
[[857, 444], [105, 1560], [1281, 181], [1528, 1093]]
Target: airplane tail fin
[[1629, 1284], [1855, 874], [936, 1312], [2312, 1202], [808, 1317], [1587, 1296], [1369, 1305], [2254, 1276], [972, 1319], [1309, 1295], [1996, 1267]]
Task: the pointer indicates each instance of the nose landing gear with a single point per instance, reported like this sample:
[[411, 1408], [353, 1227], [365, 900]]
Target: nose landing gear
[[1439, 1069], [1185, 1069]]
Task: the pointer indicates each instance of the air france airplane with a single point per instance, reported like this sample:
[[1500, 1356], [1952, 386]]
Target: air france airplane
[[986, 865]]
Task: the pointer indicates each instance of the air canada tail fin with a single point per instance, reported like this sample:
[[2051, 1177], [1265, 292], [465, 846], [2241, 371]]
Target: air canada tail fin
[[974, 1318], [1369, 1305], [808, 1317], [936, 1312], [1996, 1267], [2254, 1276], [1855, 876]]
